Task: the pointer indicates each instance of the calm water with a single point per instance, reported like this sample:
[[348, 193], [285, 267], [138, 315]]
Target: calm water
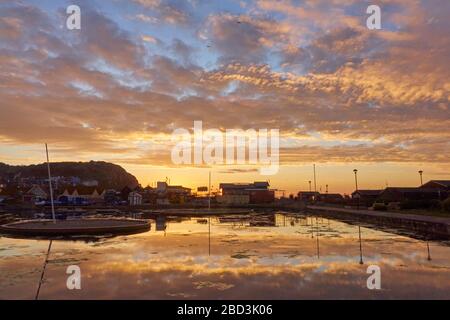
[[278, 256]]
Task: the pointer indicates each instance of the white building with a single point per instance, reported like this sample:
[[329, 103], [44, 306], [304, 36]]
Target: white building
[[134, 198]]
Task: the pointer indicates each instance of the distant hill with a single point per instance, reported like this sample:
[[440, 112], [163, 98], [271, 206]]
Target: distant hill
[[107, 174]]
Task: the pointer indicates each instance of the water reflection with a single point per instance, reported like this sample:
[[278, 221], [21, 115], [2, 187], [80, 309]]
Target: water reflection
[[43, 270], [360, 246], [260, 256]]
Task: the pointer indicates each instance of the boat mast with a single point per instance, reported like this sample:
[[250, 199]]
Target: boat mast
[[50, 185]]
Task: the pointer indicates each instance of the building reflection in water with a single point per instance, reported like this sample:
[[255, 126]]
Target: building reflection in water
[[307, 223], [161, 223]]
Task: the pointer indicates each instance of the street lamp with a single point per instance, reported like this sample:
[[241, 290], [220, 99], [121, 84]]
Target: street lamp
[[356, 184], [420, 173], [309, 185]]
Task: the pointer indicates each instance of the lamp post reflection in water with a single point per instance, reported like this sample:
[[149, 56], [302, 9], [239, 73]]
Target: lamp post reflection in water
[[428, 249], [360, 246], [317, 231], [209, 236]]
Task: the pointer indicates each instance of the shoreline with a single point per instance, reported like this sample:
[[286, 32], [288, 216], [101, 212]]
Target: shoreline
[[430, 226]]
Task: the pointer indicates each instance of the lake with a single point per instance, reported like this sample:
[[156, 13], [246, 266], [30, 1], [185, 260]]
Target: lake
[[259, 256]]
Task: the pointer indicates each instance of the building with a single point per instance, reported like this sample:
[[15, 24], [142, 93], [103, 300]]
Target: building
[[134, 198], [242, 188], [308, 196], [443, 185], [162, 201], [366, 197], [161, 223], [393, 194], [171, 194], [331, 198], [163, 187], [242, 193], [261, 196], [233, 199], [111, 197], [36, 194], [82, 195]]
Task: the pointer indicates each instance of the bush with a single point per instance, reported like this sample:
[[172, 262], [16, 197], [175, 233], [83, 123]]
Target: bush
[[379, 207], [446, 205]]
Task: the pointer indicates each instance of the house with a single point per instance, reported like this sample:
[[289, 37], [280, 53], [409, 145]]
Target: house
[[173, 194], [261, 196], [240, 193], [134, 198], [82, 195], [331, 198], [443, 185], [366, 197], [35, 194], [125, 192], [163, 187], [242, 188], [111, 197], [233, 199], [393, 194], [162, 201], [308, 196], [11, 192]]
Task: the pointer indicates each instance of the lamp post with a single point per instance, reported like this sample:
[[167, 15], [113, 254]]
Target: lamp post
[[315, 183], [50, 185], [309, 185], [420, 173], [356, 184]]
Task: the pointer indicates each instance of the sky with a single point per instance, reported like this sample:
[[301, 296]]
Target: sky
[[342, 96]]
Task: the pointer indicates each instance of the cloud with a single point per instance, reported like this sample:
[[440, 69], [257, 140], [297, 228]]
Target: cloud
[[145, 18], [243, 38], [166, 11], [336, 93], [148, 38]]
